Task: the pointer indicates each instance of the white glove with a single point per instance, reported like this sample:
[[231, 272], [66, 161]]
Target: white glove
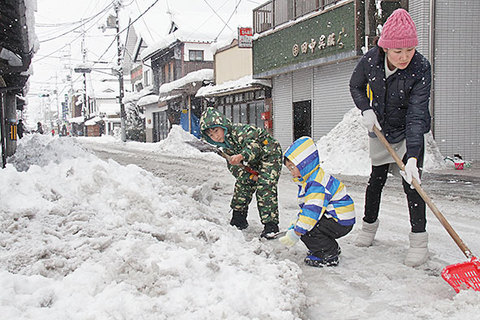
[[411, 171], [369, 119], [290, 238]]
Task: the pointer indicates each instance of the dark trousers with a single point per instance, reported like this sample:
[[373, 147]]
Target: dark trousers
[[321, 239], [373, 194]]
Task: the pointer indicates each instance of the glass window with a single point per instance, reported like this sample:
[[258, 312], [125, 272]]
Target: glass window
[[146, 78], [195, 55], [228, 112], [252, 116], [244, 113], [260, 110], [259, 94], [236, 113]]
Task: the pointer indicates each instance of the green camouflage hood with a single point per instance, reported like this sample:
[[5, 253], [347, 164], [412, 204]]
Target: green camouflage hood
[[213, 118]]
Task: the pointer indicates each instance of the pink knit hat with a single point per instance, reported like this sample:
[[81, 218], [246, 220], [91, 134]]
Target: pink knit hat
[[399, 31]]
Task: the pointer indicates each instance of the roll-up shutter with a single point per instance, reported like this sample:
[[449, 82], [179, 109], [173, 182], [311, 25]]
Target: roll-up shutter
[[332, 97], [457, 78], [282, 109], [419, 10], [302, 84]]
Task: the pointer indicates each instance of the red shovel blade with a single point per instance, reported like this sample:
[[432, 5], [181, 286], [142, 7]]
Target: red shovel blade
[[463, 275]]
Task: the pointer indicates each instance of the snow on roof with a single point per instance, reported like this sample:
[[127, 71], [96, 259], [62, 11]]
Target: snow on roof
[[195, 21], [93, 121], [76, 120], [234, 85], [158, 46], [146, 100], [195, 76], [169, 40], [135, 96], [167, 98], [112, 120]]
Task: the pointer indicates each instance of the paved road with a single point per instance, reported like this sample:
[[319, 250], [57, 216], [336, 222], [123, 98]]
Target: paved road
[[450, 183]]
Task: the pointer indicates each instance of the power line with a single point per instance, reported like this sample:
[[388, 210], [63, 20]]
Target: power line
[[136, 19], [67, 44], [226, 24], [79, 26], [205, 21]]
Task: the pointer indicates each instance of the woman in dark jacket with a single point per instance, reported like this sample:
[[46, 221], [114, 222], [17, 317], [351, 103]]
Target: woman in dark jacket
[[391, 86]]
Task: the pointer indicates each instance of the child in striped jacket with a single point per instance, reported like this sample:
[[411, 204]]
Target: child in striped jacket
[[326, 210]]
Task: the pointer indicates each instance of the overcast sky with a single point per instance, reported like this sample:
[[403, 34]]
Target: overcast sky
[[59, 31], [55, 18]]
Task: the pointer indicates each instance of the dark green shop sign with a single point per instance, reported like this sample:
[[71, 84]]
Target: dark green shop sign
[[325, 35]]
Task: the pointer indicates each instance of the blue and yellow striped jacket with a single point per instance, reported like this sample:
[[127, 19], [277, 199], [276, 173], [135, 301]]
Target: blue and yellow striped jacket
[[319, 193]]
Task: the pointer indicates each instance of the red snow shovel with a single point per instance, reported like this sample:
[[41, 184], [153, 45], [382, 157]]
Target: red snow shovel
[[461, 275]]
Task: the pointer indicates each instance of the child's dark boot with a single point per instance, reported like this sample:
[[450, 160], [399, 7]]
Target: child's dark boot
[[269, 231], [327, 261], [239, 219]]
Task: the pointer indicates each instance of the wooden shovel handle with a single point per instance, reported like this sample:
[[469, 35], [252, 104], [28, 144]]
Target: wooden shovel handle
[[424, 196], [241, 165]]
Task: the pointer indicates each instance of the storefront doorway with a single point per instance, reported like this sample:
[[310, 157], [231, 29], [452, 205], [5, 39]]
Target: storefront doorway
[[302, 119]]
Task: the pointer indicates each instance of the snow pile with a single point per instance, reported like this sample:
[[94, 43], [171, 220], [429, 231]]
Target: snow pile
[[434, 160], [40, 150], [89, 239], [177, 143], [344, 150]]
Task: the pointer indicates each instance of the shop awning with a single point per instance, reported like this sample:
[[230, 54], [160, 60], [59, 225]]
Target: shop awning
[[246, 83]]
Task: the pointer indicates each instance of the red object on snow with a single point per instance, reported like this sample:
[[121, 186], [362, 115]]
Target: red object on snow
[[465, 275], [459, 165]]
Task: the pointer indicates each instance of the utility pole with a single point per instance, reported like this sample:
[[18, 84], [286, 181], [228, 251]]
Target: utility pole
[[120, 73], [85, 97]]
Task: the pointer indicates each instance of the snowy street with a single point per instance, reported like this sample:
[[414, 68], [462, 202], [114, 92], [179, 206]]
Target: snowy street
[[100, 229]]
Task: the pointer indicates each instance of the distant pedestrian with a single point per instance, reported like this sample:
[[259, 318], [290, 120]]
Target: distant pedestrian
[[64, 131], [20, 129], [53, 132], [39, 127]]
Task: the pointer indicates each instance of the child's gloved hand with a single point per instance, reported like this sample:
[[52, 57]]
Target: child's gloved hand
[[292, 225], [290, 238]]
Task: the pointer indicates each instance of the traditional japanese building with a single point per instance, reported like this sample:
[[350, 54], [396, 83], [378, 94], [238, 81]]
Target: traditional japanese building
[[309, 48]]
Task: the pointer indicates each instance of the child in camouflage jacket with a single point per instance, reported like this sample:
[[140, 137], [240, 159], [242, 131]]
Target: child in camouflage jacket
[[257, 148]]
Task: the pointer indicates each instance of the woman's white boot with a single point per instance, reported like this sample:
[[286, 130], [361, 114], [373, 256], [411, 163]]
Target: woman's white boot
[[418, 252], [367, 234]]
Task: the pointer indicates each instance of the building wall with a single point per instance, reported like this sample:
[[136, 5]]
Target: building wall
[[331, 96], [456, 92], [420, 13], [282, 109], [207, 53], [232, 64], [325, 86]]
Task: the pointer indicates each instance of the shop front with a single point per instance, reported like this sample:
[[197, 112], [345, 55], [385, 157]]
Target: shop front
[[309, 63]]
